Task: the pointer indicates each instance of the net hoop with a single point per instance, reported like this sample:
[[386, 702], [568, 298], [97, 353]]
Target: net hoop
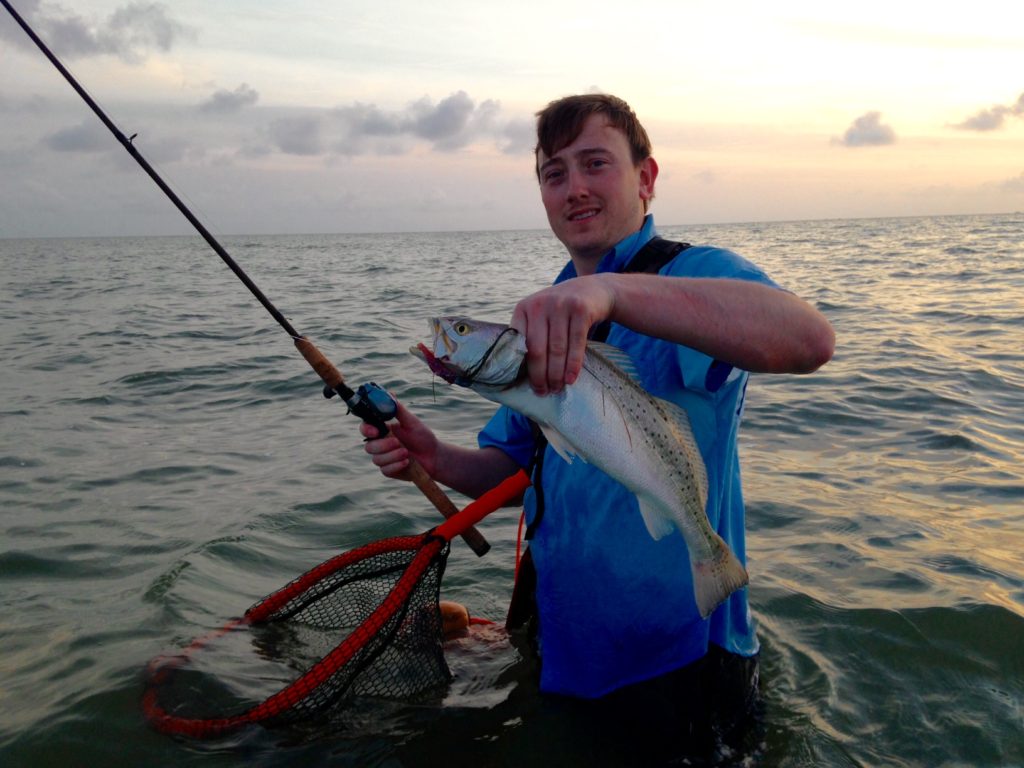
[[428, 547]]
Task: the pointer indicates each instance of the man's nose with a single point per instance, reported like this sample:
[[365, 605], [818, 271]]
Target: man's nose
[[577, 185]]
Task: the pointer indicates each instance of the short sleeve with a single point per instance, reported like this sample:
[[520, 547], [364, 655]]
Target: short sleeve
[[509, 431], [701, 372]]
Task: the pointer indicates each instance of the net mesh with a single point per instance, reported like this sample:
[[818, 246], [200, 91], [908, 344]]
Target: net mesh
[[392, 630], [369, 619]]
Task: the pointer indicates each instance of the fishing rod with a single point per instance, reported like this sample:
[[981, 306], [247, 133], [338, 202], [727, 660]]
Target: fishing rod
[[369, 402]]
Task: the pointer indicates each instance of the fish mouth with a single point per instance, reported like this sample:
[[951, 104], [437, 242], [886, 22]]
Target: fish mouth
[[440, 335], [436, 364]]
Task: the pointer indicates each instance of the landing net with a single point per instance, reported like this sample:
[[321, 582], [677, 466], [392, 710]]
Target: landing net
[[369, 618]]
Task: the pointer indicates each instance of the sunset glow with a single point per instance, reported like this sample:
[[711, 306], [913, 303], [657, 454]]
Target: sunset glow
[[403, 116]]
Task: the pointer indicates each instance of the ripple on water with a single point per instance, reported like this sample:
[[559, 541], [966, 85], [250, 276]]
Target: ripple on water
[[903, 672]]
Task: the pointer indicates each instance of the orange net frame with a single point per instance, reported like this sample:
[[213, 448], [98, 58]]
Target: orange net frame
[[382, 598]]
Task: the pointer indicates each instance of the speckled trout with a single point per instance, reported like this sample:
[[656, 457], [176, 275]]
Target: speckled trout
[[608, 420]]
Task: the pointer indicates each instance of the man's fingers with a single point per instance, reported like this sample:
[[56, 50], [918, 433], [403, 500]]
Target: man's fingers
[[537, 355], [558, 350], [577, 349], [555, 322], [369, 431], [388, 454], [406, 419], [531, 322]]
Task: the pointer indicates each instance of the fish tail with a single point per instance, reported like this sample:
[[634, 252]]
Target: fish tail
[[717, 578]]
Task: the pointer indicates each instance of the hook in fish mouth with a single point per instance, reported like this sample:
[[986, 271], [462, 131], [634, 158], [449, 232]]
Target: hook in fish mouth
[[436, 364]]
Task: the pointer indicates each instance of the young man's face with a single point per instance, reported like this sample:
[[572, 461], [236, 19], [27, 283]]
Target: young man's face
[[593, 193]]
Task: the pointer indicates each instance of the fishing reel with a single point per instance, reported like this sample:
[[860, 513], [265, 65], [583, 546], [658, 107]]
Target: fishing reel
[[370, 402]]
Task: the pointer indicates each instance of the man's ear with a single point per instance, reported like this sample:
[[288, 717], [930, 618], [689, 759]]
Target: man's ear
[[648, 175]]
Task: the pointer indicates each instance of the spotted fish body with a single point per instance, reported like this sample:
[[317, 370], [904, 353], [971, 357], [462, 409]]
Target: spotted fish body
[[608, 420]]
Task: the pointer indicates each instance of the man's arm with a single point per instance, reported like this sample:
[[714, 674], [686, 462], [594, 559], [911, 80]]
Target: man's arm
[[752, 326]]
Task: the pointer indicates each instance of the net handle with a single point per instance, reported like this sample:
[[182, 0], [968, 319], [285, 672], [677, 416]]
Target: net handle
[[507, 490]]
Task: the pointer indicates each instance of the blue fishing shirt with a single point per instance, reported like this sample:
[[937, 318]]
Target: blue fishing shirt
[[616, 607]]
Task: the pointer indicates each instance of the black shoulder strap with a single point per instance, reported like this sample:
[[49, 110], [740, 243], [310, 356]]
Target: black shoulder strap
[[656, 254], [650, 259], [536, 471]]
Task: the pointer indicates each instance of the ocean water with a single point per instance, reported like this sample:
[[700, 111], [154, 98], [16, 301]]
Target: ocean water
[[167, 459]]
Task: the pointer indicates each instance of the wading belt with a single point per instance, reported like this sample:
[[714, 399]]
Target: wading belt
[[650, 259]]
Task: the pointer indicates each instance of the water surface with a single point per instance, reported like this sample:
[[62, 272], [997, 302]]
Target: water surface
[[167, 459]]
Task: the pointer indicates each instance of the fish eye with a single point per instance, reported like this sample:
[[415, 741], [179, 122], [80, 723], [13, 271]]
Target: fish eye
[[462, 328]]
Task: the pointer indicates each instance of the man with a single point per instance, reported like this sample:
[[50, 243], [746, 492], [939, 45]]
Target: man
[[616, 616]]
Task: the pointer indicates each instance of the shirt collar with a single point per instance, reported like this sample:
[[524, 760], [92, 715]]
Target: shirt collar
[[618, 257]]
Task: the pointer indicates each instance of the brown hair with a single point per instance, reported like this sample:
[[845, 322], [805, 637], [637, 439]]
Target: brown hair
[[561, 121]]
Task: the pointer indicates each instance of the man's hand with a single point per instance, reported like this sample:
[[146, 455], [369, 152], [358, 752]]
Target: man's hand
[[409, 438], [555, 323]]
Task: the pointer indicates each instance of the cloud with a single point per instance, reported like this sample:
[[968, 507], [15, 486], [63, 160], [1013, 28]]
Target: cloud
[[298, 135], [166, 149], [241, 127], [445, 123], [88, 136], [518, 137], [128, 33], [33, 104], [452, 123], [868, 131], [367, 120], [994, 118], [1014, 185], [984, 120], [225, 102]]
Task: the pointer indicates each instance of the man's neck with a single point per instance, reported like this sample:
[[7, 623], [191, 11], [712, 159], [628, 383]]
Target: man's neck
[[586, 265], [587, 262]]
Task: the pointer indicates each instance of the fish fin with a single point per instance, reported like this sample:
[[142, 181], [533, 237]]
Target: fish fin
[[556, 441], [716, 579], [616, 357], [657, 525]]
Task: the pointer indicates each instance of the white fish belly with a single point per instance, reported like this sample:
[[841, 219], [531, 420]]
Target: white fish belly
[[616, 427]]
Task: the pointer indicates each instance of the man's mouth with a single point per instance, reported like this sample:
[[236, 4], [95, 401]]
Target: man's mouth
[[589, 213]]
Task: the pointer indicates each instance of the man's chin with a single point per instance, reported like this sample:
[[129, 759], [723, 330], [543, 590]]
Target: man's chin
[[587, 246]]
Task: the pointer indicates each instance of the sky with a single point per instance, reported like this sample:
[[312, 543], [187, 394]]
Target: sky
[[323, 116]]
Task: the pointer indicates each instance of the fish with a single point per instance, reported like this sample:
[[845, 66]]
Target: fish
[[607, 419]]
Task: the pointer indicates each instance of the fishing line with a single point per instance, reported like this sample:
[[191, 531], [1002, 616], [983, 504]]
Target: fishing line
[[370, 402], [469, 377]]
